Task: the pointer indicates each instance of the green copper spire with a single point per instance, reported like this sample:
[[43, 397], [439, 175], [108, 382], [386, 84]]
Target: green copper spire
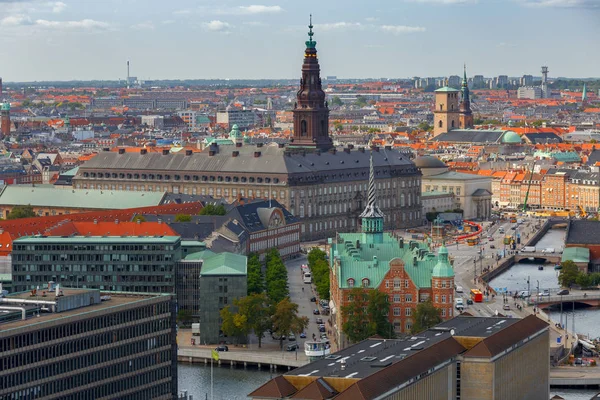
[[310, 43], [584, 93], [465, 82], [372, 217], [443, 269]]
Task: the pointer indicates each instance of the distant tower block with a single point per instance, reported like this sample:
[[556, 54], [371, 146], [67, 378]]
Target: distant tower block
[[545, 93], [5, 118], [127, 74], [0, 88]]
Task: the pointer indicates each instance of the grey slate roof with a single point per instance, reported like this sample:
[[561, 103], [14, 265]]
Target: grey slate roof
[[543, 138], [272, 159], [250, 214], [470, 136], [594, 157], [583, 232]]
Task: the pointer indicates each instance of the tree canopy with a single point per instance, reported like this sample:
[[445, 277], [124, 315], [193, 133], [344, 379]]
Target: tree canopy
[[183, 218], [356, 326], [276, 277], [426, 316], [211, 209], [21, 212], [568, 273], [256, 280], [319, 267], [286, 319], [256, 311]]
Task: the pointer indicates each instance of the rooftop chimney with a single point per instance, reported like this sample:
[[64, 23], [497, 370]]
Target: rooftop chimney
[[259, 145], [143, 151], [238, 144], [188, 152], [121, 151], [165, 152], [257, 154], [235, 153]]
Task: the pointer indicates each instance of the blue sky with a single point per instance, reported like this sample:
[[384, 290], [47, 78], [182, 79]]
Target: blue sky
[[179, 39]]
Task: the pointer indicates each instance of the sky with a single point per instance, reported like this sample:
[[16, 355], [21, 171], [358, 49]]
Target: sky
[[264, 39]]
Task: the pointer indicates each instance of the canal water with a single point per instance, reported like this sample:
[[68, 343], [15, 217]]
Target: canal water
[[234, 384]]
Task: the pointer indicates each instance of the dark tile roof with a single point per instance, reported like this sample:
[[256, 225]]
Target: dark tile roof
[[250, 216], [276, 388], [402, 371], [319, 389], [470, 136], [582, 231], [594, 157], [506, 338], [543, 137]]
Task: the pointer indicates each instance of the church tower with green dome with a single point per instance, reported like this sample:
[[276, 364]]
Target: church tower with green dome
[[372, 217], [235, 135], [442, 284]]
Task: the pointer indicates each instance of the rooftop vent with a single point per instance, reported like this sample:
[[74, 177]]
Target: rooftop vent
[[259, 145], [257, 154], [211, 153], [347, 150], [238, 144], [235, 153], [388, 147], [361, 149], [281, 145], [165, 152], [368, 359], [121, 151], [188, 152], [143, 151]]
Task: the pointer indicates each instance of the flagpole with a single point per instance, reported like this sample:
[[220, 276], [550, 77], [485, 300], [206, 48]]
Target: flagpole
[[212, 397]]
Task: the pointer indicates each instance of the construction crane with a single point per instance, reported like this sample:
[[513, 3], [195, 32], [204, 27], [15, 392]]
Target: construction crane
[[528, 187]]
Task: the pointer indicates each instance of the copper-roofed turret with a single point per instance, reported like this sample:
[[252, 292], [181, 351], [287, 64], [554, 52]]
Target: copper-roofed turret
[[311, 114]]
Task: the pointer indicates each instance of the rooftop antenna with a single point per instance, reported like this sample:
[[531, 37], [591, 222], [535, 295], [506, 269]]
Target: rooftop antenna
[[127, 74]]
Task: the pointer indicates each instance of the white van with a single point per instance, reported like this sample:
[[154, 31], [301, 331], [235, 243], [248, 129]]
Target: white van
[[501, 230], [524, 294], [459, 305], [459, 289], [307, 278]]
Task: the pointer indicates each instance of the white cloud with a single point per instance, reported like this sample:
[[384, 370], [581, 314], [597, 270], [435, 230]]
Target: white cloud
[[217, 26], [371, 19], [445, 1], [561, 3], [87, 24], [147, 25], [259, 9], [338, 25], [400, 29], [58, 6], [16, 20]]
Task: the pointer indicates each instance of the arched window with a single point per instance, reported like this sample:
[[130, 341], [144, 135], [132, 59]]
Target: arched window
[[402, 200], [441, 107], [452, 106], [440, 123], [303, 128], [301, 210], [409, 199], [351, 282], [365, 282], [309, 210], [453, 124]]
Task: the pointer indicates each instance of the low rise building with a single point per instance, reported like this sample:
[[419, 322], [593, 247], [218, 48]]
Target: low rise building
[[206, 283], [584, 234], [243, 118], [471, 358], [437, 201], [72, 344]]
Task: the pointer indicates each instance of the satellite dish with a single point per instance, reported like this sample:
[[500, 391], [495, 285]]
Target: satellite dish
[[451, 332]]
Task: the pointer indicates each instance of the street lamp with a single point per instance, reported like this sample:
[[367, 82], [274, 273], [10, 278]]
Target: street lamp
[[474, 271]]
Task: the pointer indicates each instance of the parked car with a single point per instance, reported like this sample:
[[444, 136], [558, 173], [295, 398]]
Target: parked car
[[506, 307], [291, 337], [222, 347], [323, 336], [303, 335], [563, 292], [469, 301], [313, 299], [316, 311], [492, 246], [459, 289], [322, 328], [319, 321], [546, 292], [324, 302], [292, 347]]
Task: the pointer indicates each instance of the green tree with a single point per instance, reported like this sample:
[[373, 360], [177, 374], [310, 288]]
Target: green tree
[[21, 212], [568, 273], [211, 209], [426, 316], [314, 255], [184, 317], [424, 126], [256, 280], [360, 101], [378, 309], [595, 278], [584, 280], [356, 326], [276, 278], [139, 217], [338, 127], [234, 325], [256, 310], [320, 275], [183, 218], [286, 319], [336, 101]]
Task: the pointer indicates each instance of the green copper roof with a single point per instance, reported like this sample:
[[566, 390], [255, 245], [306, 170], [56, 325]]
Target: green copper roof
[[443, 269], [446, 89], [511, 137], [219, 263], [372, 261], [310, 43], [235, 133], [5, 107], [576, 254]]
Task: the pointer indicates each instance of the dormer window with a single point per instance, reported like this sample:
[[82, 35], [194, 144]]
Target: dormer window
[[365, 282], [351, 282]]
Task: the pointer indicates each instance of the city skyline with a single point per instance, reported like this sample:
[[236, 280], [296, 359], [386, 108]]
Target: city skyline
[[227, 40]]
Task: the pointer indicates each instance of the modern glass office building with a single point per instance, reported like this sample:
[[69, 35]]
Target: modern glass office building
[[87, 344]]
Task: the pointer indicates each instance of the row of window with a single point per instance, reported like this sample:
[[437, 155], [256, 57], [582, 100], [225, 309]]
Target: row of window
[[274, 242], [88, 247], [352, 188], [446, 189], [177, 177]]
